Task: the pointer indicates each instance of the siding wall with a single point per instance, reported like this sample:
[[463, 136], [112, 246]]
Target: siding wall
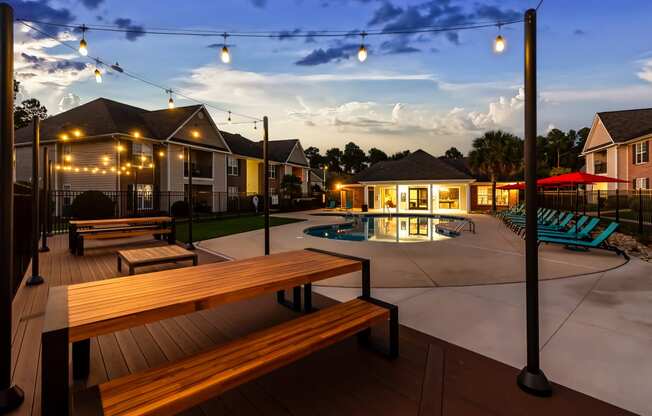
[[23, 169], [89, 155], [239, 181], [219, 182]]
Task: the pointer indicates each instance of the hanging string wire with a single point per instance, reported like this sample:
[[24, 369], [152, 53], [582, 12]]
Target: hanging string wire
[[142, 79], [279, 34]]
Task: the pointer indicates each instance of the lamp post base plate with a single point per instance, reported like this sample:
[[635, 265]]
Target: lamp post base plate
[[10, 399], [190, 246], [44, 249], [534, 383], [34, 281]]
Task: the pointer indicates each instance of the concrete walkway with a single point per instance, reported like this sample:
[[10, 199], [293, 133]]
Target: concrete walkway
[[596, 329], [493, 255]]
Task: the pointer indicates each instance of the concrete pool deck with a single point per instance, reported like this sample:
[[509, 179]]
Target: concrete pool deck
[[595, 328], [492, 255]]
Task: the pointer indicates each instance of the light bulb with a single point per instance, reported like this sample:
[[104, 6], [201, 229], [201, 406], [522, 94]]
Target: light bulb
[[170, 103], [362, 53], [499, 44], [98, 76], [83, 47], [225, 56]]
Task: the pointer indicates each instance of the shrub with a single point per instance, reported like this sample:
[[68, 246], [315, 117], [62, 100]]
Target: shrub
[[92, 205], [179, 209]]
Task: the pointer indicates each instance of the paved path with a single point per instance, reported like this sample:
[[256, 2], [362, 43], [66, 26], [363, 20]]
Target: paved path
[[493, 255]]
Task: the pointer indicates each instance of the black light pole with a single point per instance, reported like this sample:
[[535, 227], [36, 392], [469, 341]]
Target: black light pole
[[46, 202], [531, 379], [189, 244], [266, 181], [35, 278], [49, 230], [11, 396]]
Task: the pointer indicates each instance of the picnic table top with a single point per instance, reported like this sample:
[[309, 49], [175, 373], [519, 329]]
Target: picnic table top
[[115, 221], [147, 254], [94, 308]]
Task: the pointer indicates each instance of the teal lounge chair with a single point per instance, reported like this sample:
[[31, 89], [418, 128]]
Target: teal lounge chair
[[575, 232], [598, 242]]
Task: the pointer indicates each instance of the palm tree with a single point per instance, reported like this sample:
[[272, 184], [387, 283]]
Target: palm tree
[[497, 154]]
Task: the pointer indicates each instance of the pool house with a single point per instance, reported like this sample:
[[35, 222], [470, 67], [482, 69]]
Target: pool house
[[417, 183]]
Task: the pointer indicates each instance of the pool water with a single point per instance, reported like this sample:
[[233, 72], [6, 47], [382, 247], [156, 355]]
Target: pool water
[[394, 229]]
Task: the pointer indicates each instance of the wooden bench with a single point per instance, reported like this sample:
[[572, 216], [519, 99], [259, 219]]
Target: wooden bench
[[154, 255], [180, 385], [80, 230], [78, 312]]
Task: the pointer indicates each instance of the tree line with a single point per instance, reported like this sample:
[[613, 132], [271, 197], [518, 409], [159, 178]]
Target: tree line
[[495, 153]]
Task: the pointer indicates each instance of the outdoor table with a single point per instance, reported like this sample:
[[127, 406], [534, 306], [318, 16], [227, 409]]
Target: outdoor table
[[75, 313], [75, 225]]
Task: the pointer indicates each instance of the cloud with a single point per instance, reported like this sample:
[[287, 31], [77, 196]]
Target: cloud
[[385, 13], [68, 101], [333, 54], [646, 70], [398, 45], [287, 34], [41, 11], [92, 4], [579, 32], [135, 31]]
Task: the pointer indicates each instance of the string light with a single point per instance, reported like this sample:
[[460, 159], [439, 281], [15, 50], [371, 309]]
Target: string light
[[229, 118], [83, 46], [98, 75], [170, 100], [64, 137], [76, 133], [499, 43], [225, 55], [181, 156], [195, 134], [362, 51], [255, 128], [136, 134], [161, 153]]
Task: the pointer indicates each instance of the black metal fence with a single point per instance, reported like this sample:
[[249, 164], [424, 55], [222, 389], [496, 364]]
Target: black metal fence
[[633, 209], [122, 204]]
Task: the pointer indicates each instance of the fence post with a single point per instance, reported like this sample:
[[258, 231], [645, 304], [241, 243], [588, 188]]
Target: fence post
[[45, 203], [617, 204], [640, 211], [598, 203]]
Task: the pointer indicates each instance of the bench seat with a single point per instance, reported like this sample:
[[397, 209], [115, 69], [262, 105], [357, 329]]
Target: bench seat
[[180, 385]]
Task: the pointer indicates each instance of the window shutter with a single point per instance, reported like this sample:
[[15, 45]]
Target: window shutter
[[646, 151], [634, 154]]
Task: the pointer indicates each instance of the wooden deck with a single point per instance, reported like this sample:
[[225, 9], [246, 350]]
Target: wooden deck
[[431, 377]]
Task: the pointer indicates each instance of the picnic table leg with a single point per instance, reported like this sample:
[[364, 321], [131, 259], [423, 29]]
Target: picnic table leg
[[295, 304], [55, 393], [131, 270], [194, 260], [72, 236], [119, 264], [79, 245], [81, 356]]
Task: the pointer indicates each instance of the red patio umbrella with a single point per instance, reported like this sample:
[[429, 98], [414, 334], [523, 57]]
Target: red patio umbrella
[[519, 185], [576, 178]]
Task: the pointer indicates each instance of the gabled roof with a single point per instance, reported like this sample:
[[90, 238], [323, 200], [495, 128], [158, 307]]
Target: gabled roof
[[279, 150], [104, 117], [626, 125], [418, 165]]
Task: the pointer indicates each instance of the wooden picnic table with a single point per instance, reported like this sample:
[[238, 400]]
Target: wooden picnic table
[[116, 228], [149, 256], [78, 312]]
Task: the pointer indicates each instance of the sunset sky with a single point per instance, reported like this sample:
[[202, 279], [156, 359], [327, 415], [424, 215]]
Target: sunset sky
[[428, 91]]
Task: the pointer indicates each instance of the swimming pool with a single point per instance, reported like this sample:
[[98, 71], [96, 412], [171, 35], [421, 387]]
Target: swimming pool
[[390, 229]]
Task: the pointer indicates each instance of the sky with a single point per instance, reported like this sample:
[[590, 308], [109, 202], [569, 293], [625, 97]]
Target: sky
[[422, 91]]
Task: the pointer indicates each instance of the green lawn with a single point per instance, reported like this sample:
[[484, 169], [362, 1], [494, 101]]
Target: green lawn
[[205, 230]]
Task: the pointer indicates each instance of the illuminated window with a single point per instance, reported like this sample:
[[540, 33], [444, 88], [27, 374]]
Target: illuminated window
[[484, 196], [449, 198], [232, 167], [272, 172]]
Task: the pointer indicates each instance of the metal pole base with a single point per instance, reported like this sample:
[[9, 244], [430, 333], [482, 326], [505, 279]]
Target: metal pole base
[[190, 246], [34, 281], [534, 383], [44, 249], [10, 399]]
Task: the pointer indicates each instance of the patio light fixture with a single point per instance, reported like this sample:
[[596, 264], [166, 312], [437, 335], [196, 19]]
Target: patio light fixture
[[224, 55], [83, 46], [499, 43], [170, 100], [98, 75], [362, 51]]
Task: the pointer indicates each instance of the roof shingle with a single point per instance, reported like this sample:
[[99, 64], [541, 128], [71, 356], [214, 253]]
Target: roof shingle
[[625, 125]]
